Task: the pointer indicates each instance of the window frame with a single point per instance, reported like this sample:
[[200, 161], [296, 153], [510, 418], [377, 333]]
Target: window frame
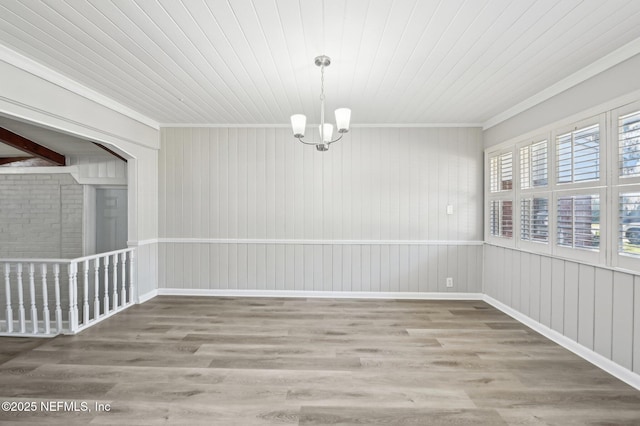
[[553, 191], [620, 259], [619, 186]]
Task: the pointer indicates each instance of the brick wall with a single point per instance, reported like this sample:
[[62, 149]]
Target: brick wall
[[40, 216]]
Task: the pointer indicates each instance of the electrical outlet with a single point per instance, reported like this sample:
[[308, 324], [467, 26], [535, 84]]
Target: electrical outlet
[[449, 282], [450, 209]]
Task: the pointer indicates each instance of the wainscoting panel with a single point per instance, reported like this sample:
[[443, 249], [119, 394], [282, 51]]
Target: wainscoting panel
[[320, 267], [595, 307], [369, 215]]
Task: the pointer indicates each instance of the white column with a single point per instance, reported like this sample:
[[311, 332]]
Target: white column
[[85, 294], [45, 300], [106, 284], [32, 296], [7, 289], [131, 274], [123, 267], [56, 281], [23, 325], [96, 286], [73, 296], [115, 281]]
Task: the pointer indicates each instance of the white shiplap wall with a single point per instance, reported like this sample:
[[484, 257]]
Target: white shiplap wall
[[595, 307], [247, 208]]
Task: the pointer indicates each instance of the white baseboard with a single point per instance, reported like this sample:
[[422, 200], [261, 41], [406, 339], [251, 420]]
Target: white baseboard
[[147, 296], [596, 359], [317, 294]]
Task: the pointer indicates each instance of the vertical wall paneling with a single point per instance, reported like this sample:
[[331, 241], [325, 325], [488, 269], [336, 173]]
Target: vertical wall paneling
[[501, 271], [571, 299], [598, 308], [368, 267], [603, 312], [270, 255], [514, 280], [404, 267], [557, 295], [376, 270], [622, 322], [356, 267], [214, 182], [243, 184], [525, 283], [586, 304], [636, 324], [535, 287], [298, 267], [545, 291], [243, 270]]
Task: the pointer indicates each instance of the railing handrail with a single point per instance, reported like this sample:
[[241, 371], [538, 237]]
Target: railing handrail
[[76, 260], [105, 279]]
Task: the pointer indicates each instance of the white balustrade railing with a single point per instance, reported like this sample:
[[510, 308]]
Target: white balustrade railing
[[65, 295]]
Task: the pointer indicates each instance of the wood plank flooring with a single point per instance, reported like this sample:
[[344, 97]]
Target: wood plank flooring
[[250, 361]]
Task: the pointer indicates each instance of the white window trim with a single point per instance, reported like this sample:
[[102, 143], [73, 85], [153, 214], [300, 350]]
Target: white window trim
[[553, 191]]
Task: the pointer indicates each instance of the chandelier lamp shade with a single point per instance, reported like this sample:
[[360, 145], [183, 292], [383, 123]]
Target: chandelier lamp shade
[[343, 116]]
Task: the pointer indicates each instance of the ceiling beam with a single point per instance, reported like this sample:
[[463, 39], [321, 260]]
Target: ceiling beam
[[115, 154], [30, 147]]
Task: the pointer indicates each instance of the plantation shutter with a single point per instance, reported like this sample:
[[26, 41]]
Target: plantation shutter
[[578, 155]]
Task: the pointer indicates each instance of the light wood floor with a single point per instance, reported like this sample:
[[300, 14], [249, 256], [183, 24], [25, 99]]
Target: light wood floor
[[242, 361]]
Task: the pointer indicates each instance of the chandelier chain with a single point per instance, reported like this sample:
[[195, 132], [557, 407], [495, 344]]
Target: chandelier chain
[[322, 83]]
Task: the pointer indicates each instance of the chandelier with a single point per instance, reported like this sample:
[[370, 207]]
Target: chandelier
[[343, 116]]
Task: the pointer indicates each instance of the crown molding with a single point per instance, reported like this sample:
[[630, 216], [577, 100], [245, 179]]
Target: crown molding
[[24, 63], [612, 59]]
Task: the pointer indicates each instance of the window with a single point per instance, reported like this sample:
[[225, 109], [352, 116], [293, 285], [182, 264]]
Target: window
[[501, 172], [533, 165], [493, 174], [578, 155], [629, 222], [576, 192], [629, 145], [534, 219], [506, 171], [501, 218], [578, 222]]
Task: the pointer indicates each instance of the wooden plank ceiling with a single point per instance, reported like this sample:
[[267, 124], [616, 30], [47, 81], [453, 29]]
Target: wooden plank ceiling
[[251, 61]]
